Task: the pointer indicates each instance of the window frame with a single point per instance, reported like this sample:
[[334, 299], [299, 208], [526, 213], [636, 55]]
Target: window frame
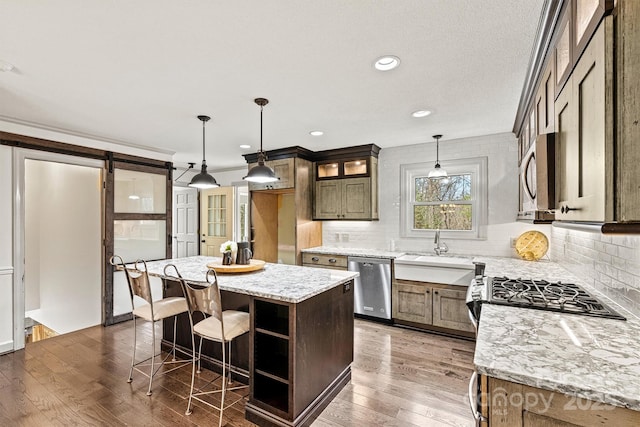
[[476, 167]]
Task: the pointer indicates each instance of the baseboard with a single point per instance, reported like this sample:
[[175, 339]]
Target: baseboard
[[6, 347]]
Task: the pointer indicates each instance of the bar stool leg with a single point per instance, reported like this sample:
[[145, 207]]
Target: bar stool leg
[[133, 356], [229, 367], [175, 323], [200, 356], [223, 380], [193, 372], [153, 354]]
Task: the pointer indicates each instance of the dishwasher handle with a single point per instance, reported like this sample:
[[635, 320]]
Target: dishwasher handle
[[473, 400]]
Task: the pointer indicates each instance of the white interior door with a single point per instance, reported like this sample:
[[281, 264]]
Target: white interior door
[[185, 222], [216, 219]]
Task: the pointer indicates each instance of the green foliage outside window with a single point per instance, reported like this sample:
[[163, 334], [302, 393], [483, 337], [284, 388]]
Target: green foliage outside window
[[443, 203]]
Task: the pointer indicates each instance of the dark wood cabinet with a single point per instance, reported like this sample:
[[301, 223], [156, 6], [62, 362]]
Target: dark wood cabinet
[[346, 184], [349, 198], [590, 50], [586, 15], [301, 356], [284, 170], [563, 49], [584, 126]]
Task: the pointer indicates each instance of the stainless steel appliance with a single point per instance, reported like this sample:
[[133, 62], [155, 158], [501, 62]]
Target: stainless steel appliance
[[537, 180], [372, 289], [537, 294]]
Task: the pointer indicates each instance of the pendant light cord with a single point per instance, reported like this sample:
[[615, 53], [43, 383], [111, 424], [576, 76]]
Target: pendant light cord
[[203, 146], [261, 156]]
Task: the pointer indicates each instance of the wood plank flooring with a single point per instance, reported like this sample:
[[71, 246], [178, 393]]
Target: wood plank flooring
[[400, 377]]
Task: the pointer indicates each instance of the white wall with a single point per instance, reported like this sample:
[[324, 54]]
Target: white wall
[[63, 245], [6, 252], [501, 150]]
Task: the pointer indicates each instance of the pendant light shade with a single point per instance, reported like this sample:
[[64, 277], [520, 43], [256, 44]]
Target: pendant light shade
[[261, 173], [203, 180], [437, 172]]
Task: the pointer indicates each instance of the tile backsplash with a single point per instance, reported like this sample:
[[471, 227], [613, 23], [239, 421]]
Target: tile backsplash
[[610, 263]]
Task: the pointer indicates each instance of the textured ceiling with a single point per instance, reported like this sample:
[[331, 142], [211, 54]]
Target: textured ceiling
[[139, 72]]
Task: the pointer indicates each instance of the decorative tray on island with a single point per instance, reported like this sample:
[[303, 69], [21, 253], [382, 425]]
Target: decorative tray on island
[[254, 265]]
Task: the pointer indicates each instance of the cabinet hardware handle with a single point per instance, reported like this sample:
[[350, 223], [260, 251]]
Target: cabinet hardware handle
[[315, 258], [436, 292], [332, 260], [202, 241], [567, 209], [427, 291]]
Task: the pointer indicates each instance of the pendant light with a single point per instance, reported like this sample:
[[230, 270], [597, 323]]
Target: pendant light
[[261, 173], [437, 172], [203, 180]]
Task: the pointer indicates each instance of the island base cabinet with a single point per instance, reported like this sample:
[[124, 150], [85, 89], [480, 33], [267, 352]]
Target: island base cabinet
[[301, 356], [508, 404]]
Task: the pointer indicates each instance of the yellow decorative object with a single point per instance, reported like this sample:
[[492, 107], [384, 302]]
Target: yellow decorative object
[[255, 264], [532, 245]]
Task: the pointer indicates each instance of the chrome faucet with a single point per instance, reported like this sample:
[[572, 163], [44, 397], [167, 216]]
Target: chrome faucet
[[439, 246]]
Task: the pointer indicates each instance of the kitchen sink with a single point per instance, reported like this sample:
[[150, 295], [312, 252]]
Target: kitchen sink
[[450, 270]]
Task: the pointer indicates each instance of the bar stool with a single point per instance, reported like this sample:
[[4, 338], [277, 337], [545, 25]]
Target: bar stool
[[151, 311], [217, 325]]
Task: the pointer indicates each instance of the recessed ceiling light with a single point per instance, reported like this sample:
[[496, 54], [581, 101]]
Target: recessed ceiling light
[[5, 66], [387, 62], [421, 113], [316, 133], [245, 146]]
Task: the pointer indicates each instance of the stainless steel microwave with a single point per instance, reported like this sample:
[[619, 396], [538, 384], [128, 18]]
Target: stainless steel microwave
[[537, 180]]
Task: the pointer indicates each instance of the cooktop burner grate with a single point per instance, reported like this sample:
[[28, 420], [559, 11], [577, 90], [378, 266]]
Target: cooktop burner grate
[[552, 296]]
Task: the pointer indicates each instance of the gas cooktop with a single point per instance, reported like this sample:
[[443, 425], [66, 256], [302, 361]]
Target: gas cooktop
[[544, 295]]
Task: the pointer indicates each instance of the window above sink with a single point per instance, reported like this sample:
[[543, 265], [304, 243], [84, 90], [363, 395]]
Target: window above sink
[[456, 205]]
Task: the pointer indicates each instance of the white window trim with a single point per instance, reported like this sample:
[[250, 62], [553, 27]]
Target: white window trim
[[477, 167]]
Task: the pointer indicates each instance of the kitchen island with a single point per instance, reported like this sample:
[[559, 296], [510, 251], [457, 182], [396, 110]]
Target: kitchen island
[[300, 346]]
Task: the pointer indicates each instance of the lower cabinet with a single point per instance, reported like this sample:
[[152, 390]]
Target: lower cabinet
[[431, 306], [300, 358], [508, 404]]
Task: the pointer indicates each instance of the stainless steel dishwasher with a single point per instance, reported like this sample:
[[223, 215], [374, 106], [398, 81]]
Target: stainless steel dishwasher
[[372, 289]]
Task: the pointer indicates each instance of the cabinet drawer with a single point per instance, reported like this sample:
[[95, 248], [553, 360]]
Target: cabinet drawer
[[322, 260]]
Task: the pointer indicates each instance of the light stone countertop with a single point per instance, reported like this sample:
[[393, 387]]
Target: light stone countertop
[[370, 253], [288, 283], [583, 356]]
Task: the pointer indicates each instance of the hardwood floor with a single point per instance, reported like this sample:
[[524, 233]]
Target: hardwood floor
[[400, 378]]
